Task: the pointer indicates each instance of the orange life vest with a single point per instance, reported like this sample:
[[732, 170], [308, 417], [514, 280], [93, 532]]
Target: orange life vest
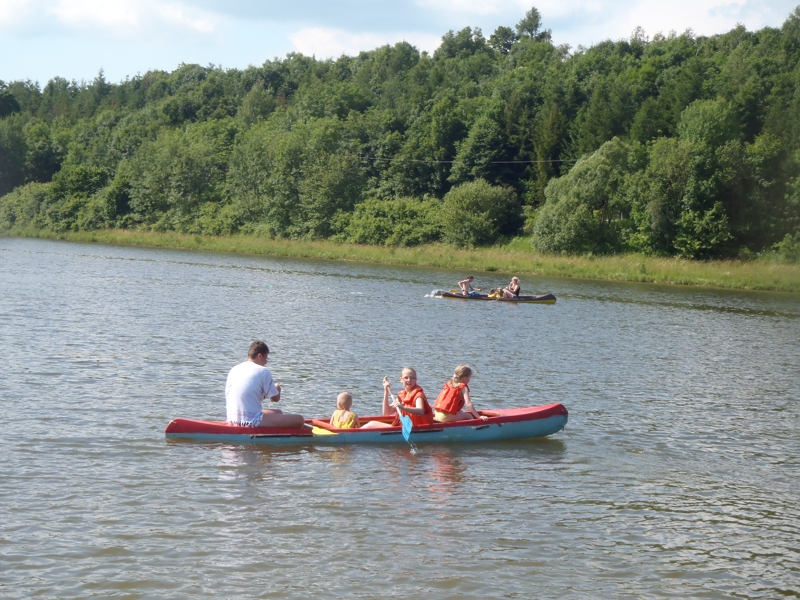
[[450, 400], [410, 399]]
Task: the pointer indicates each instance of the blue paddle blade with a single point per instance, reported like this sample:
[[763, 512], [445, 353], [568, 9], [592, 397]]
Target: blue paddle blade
[[406, 422]]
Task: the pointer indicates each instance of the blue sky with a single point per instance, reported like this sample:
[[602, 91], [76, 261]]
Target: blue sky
[[40, 39]]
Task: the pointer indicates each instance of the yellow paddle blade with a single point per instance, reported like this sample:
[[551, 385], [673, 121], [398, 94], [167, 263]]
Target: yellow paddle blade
[[320, 431], [455, 291]]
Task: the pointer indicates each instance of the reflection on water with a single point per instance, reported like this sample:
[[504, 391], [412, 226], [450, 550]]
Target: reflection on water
[[675, 476]]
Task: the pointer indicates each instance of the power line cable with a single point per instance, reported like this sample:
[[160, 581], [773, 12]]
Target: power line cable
[[453, 162]]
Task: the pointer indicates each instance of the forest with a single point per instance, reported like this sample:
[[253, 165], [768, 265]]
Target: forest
[[675, 145]]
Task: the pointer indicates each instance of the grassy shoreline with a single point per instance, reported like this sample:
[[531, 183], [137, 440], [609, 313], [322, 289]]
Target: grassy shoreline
[[514, 258]]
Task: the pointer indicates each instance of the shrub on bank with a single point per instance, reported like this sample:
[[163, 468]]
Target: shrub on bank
[[788, 249], [477, 213], [400, 222], [21, 207]]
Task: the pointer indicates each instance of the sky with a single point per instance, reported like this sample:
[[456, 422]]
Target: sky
[[74, 39]]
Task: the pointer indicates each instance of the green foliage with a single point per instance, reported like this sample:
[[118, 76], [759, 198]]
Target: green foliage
[[588, 208], [295, 182], [8, 102], [484, 154], [679, 145], [13, 148], [23, 207], [173, 176], [422, 165], [788, 249], [502, 40], [462, 44], [711, 122], [43, 155], [398, 222], [529, 25], [257, 105], [477, 213]]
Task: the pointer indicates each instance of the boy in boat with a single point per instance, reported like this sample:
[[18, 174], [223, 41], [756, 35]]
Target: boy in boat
[[343, 417], [247, 386], [411, 400], [466, 287], [455, 396]]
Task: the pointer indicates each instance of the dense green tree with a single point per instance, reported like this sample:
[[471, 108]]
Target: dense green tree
[[529, 25], [484, 154], [13, 147], [8, 102], [175, 175], [502, 40], [588, 209], [477, 213], [44, 155], [295, 182]]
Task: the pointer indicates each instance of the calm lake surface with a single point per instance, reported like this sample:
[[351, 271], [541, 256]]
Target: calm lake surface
[[677, 474]]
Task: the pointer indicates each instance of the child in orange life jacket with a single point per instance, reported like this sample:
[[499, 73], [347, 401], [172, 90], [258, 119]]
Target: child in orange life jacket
[[411, 400], [455, 396], [343, 417]]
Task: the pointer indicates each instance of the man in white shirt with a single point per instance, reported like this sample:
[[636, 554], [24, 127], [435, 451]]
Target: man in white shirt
[[247, 386]]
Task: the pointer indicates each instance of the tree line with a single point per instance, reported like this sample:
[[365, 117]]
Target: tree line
[[676, 145]]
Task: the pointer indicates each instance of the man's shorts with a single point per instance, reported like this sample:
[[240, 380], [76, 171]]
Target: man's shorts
[[252, 423]]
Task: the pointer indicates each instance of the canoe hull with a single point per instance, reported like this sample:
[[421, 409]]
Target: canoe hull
[[541, 299], [508, 424]]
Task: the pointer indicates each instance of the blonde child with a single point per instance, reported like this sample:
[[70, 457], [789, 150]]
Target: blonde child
[[411, 400], [343, 417], [454, 397]]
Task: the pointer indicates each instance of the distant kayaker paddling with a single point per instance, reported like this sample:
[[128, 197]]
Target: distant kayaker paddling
[[466, 286]]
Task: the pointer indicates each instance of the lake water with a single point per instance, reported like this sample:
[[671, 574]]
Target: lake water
[[677, 474]]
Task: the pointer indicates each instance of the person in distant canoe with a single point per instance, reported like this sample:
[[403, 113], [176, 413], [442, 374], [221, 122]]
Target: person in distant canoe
[[512, 291], [466, 286], [454, 397], [249, 383], [343, 417], [411, 400]]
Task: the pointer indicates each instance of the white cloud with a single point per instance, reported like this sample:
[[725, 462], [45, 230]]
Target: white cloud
[[516, 9], [107, 18], [189, 18], [88, 14], [471, 7], [13, 12], [578, 10], [587, 22], [590, 21], [704, 17], [332, 43]]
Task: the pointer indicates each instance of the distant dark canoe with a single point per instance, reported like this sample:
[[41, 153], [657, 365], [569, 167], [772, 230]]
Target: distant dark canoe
[[501, 424], [541, 299]]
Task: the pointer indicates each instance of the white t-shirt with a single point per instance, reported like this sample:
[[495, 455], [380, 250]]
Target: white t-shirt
[[248, 384]]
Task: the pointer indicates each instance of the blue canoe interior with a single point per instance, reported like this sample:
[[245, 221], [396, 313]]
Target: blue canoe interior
[[501, 424]]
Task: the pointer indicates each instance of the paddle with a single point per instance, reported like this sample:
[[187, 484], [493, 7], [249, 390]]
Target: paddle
[[405, 420]]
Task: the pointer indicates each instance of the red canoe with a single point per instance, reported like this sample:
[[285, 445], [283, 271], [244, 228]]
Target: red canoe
[[502, 424]]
